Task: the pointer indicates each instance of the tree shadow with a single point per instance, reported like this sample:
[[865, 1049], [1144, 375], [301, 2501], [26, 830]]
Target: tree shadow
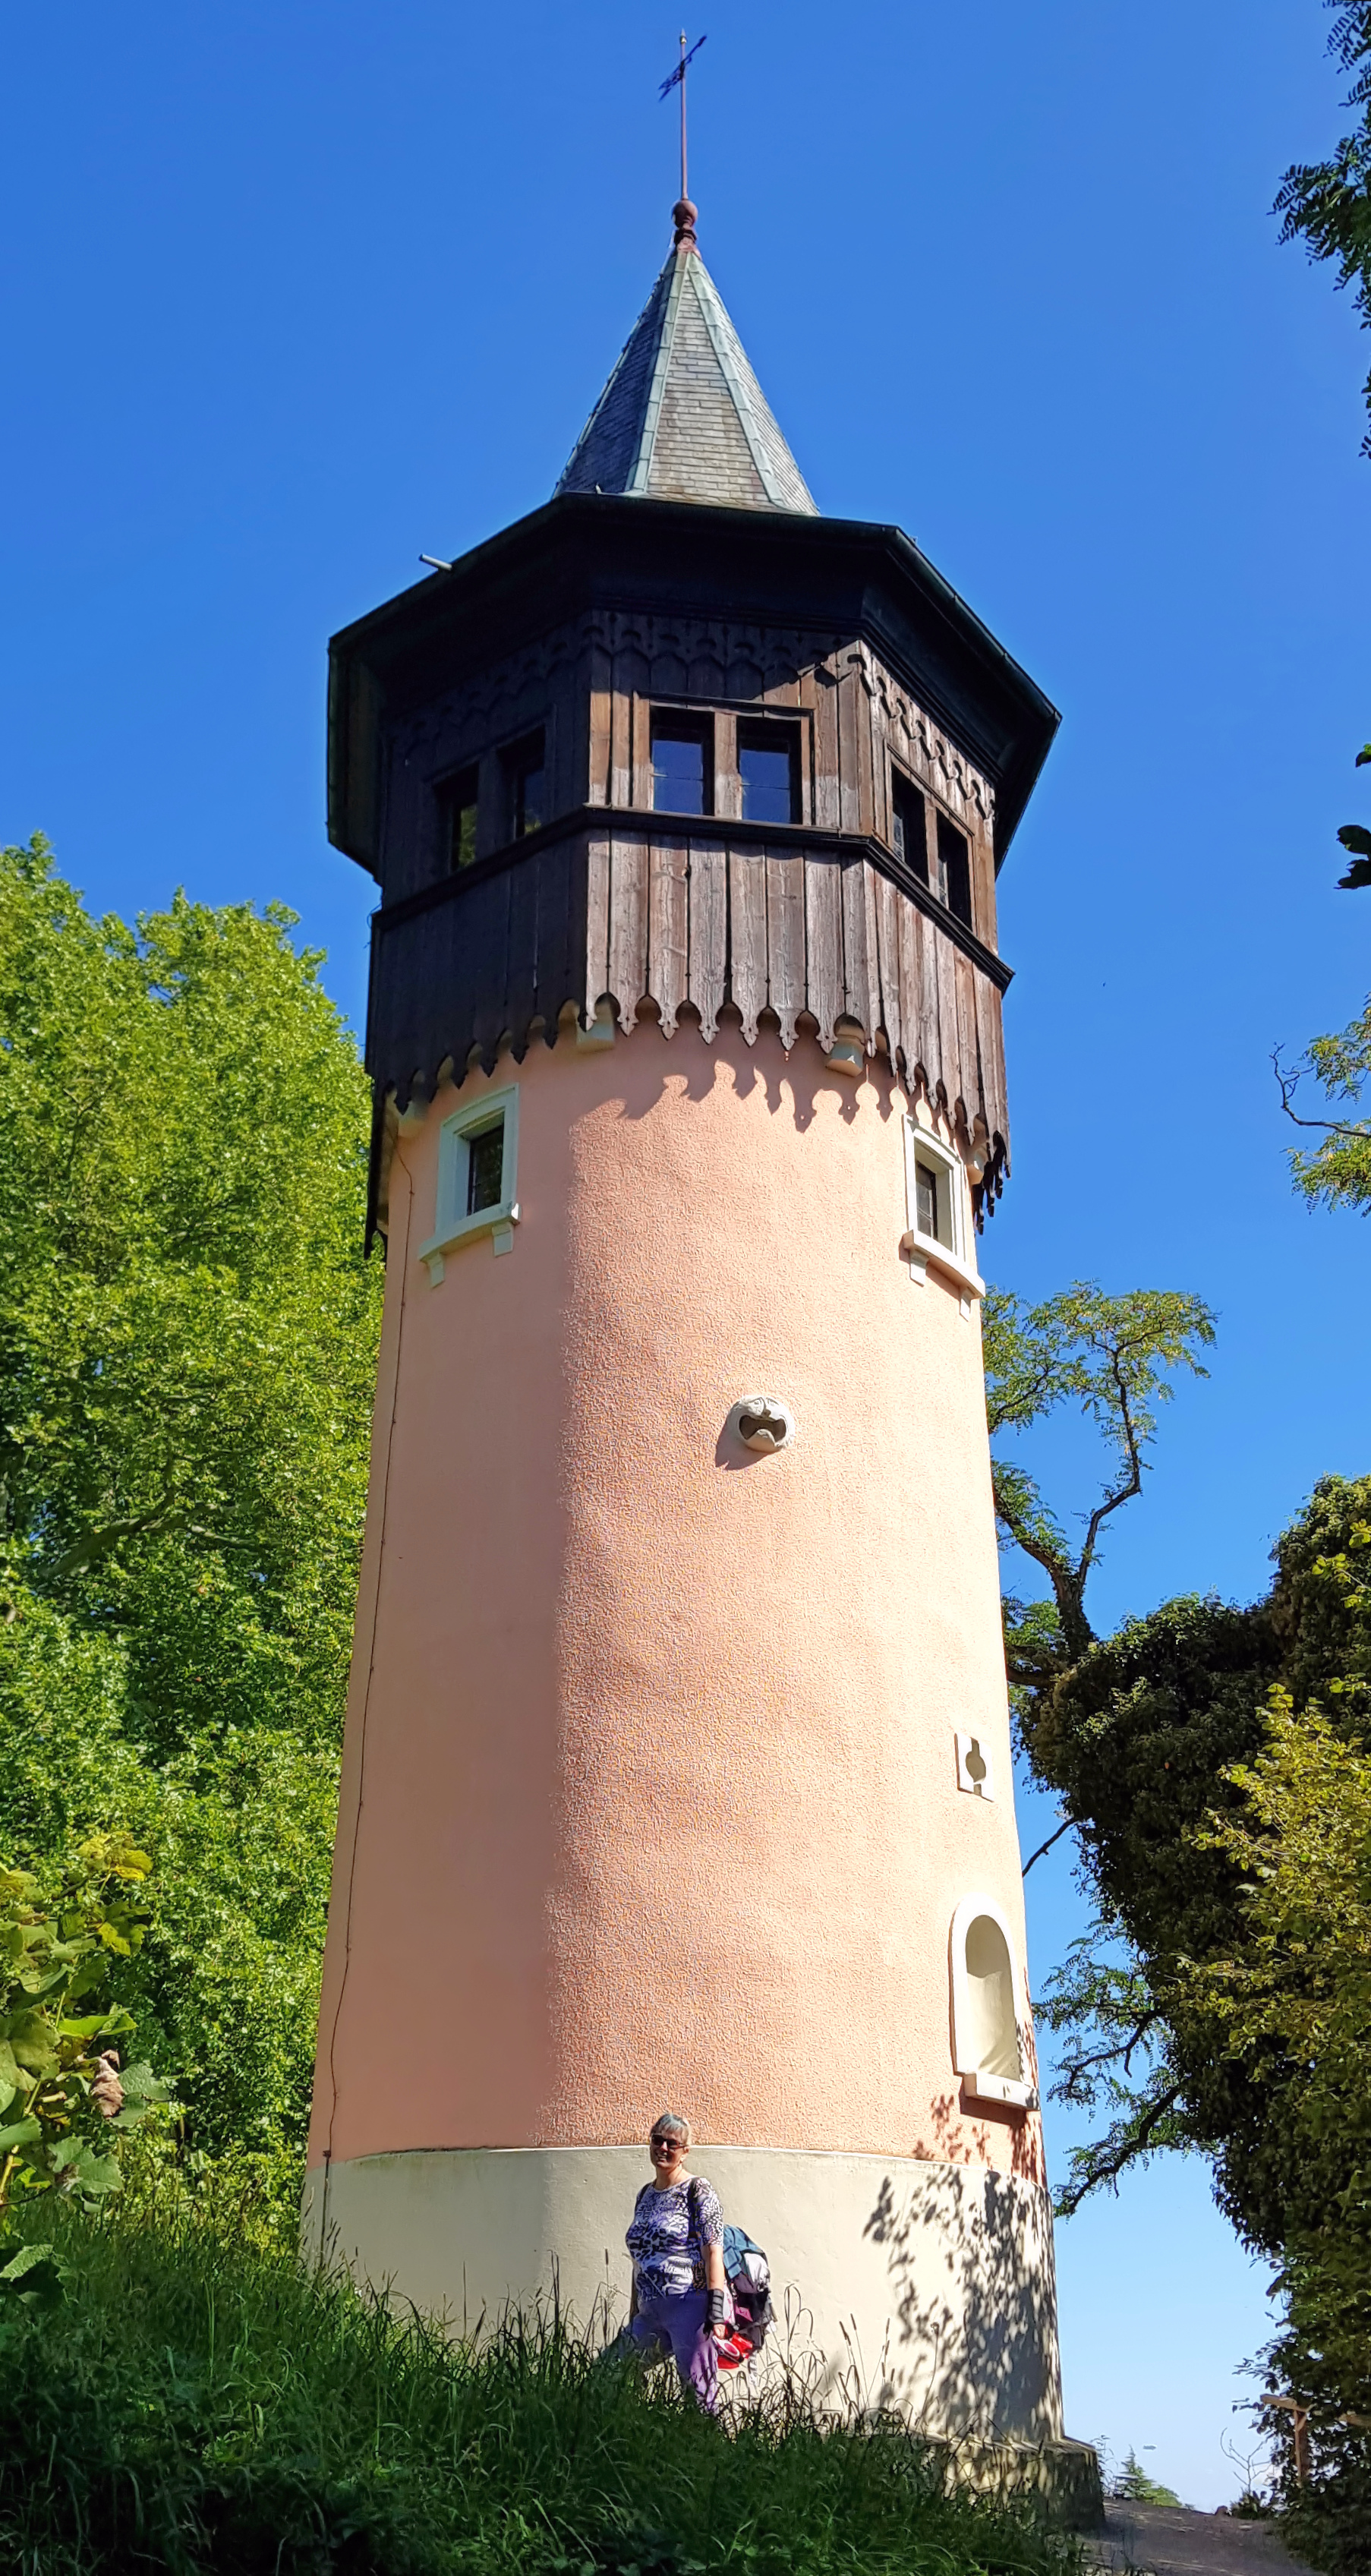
[[973, 2333]]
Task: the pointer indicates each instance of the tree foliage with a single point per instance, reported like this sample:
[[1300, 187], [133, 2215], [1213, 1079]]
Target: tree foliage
[[1132, 2485], [1115, 1358], [1149, 1737], [187, 1348], [1337, 1172], [1294, 1991], [1327, 204]]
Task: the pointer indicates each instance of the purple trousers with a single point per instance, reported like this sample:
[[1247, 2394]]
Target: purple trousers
[[680, 2324]]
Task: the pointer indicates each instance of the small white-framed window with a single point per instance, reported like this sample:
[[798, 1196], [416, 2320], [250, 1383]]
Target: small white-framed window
[[938, 1207], [989, 2012], [478, 1169]]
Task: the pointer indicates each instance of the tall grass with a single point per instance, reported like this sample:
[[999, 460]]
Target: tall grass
[[196, 2403]]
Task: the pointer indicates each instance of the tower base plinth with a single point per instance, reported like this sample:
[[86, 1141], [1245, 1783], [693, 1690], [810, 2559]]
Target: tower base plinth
[[898, 2283]]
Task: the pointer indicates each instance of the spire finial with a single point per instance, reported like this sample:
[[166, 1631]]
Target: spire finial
[[683, 212]]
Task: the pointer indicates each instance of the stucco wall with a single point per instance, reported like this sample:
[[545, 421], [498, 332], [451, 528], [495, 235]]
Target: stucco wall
[[922, 2286], [650, 1780]]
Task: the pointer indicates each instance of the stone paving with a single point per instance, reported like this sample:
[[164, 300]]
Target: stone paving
[[1170, 2540]]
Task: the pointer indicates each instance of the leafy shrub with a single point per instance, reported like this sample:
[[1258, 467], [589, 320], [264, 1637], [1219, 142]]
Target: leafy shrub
[[59, 2097]]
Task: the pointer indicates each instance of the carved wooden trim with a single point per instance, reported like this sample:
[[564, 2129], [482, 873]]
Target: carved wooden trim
[[693, 920]]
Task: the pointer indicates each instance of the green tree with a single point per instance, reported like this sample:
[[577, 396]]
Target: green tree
[[1337, 1172], [1327, 204], [1134, 2485], [1114, 1358], [1294, 1990], [187, 1347], [1146, 1737]]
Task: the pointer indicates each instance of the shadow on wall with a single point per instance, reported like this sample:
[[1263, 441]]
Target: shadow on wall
[[974, 2320]]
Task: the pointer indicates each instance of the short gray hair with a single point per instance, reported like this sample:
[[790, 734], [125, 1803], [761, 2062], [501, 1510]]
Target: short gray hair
[[671, 2124]]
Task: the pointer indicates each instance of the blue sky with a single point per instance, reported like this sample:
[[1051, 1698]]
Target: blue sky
[[298, 292]]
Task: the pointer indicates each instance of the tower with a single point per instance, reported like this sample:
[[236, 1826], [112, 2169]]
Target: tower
[[677, 1769]]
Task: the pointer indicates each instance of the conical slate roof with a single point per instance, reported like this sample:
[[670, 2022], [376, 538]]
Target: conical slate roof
[[683, 417]]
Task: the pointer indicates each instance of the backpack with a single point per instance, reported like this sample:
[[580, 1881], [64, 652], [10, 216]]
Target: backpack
[[749, 2279], [748, 2275]]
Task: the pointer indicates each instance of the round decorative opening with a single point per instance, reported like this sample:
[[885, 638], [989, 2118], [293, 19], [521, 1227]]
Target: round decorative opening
[[762, 1423]]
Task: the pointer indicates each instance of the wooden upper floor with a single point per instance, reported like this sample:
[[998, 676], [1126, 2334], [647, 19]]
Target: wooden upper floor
[[632, 752]]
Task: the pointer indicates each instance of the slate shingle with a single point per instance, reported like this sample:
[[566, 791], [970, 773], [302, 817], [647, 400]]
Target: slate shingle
[[683, 417]]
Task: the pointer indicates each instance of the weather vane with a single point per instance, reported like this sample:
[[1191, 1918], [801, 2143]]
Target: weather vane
[[677, 79]]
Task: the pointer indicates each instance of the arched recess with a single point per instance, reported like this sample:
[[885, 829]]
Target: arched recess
[[989, 2007]]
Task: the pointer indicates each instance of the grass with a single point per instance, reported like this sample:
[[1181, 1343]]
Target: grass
[[196, 2403]]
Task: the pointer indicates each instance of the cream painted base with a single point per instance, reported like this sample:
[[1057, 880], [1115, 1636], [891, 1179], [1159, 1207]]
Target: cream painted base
[[924, 2287]]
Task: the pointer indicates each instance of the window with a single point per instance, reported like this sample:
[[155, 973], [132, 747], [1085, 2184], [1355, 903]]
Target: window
[[769, 765], [682, 765], [485, 1168], [458, 798], [477, 1178], [926, 1201], [934, 1180], [988, 2022], [954, 870], [938, 1212], [526, 786], [909, 826]]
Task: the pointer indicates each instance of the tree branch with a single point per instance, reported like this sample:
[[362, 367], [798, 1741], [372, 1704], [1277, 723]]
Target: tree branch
[[1047, 1846], [1125, 1493], [1101, 2056], [1325, 1126], [164, 1519], [1110, 2166]]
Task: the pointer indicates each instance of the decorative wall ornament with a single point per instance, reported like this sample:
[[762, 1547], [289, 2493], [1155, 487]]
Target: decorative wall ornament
[[975, 1769], [763, 1423]]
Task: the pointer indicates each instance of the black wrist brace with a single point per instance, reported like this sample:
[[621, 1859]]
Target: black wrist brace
[[715, 2307]]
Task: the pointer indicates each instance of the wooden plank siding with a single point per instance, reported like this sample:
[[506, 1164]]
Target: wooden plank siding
[[801, 931], [668, 929], [597, 926], [824, 946], [707, 957], [785, 942], [627, 976], [747, 937]]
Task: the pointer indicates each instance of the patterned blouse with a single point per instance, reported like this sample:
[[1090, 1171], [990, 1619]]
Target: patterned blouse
[[666, 2243]]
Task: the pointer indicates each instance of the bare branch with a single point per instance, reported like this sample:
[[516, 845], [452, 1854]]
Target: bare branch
[[1047, 1846], [1109, 2167], [1325, 1126], [1117, 2048]]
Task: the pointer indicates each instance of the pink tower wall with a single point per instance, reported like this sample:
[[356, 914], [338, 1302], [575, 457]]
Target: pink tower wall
[[660, 1793], [649, 1790]]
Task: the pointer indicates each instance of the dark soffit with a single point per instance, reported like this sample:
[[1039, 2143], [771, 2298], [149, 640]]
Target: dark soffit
[[586, 550]]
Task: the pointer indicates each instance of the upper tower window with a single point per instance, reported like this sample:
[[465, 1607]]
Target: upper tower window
[[909, 826], [929, 1218], [682, 764], [769, 766], [526, 785], [485, 1168], [458, 799], [954, 870]]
